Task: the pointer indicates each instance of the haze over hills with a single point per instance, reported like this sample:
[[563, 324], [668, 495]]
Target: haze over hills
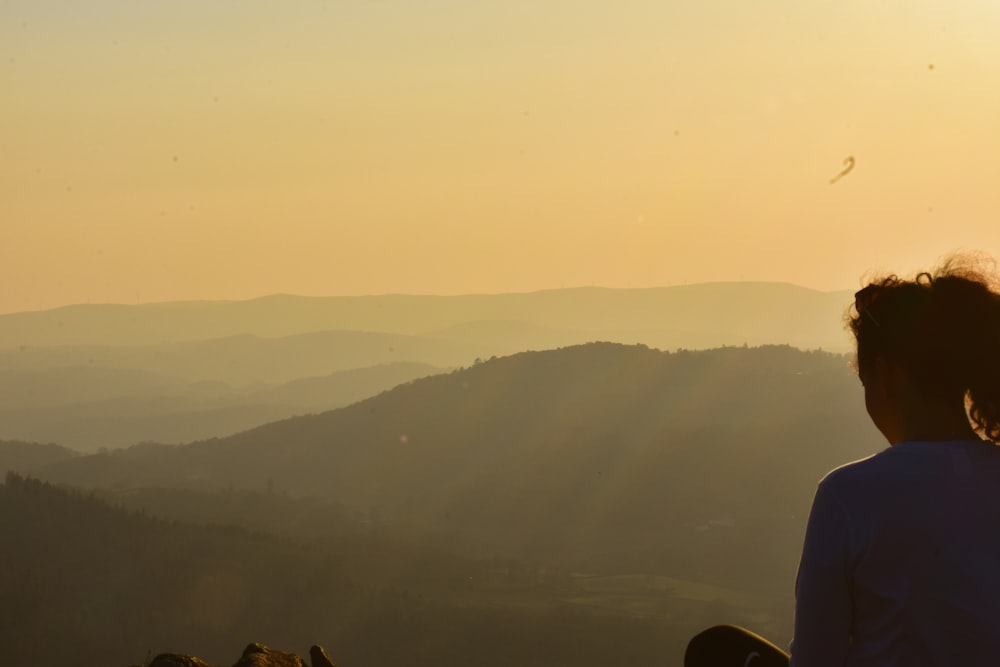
[[88, 407], [634, 472], [246, 360], [695, 316], [98, 376], [599, 457]]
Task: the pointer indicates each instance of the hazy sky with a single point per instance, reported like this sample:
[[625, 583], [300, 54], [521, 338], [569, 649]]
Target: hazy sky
[[186, 150]]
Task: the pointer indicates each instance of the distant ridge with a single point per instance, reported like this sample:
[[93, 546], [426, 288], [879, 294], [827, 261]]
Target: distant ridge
[[22, 456], [89, 407], [703, 315]]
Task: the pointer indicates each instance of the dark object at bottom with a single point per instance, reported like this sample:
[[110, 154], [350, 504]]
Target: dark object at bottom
[[732, 646], [319, 658], [258, 655], [177, 660], [254, 655]]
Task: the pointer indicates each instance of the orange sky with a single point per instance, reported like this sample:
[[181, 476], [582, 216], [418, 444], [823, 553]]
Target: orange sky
[[162, 151]]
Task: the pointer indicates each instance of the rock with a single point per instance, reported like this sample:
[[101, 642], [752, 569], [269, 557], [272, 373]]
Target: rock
[[177, 660], [258, 655], [319, 658], [254, 655]]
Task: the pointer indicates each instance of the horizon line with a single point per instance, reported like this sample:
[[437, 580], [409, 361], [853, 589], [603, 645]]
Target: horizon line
[[437, 295]]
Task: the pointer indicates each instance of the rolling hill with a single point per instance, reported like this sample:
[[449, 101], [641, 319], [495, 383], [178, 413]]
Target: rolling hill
[[106, 376], [600, 457]]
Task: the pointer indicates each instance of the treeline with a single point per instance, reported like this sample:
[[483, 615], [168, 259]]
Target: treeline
[[20, 456], [86, 583]]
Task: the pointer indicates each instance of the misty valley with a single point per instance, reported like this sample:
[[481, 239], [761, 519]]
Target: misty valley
[[572, 477]]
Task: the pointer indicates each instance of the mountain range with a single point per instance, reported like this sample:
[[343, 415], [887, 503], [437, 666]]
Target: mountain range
[[653, 475], [693, 316], [601, 457], [98, 377]]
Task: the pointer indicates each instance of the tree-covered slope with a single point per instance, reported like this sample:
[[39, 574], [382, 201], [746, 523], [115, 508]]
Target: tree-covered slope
[[83, 583], [597, 456]]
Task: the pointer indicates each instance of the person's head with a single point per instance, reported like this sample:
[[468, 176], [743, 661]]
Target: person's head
[[929, 348]]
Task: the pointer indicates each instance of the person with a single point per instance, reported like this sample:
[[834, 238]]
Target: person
[[901, 560]]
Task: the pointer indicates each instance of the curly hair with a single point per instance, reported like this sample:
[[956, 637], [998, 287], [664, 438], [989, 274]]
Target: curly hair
[[942, 329]]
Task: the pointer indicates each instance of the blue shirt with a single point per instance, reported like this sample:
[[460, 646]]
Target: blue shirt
[[901, 561]]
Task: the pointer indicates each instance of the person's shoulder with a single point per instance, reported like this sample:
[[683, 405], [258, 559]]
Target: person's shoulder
[[856, 472], [857, 481]]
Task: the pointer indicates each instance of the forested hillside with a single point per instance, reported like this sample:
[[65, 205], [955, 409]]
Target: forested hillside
[[605, 458], [83, 583]]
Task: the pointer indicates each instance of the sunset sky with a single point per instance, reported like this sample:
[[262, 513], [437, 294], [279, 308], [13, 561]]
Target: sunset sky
[[175, 150]]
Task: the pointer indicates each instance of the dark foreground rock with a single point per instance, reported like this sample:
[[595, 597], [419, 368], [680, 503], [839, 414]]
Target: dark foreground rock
[[319, 657], [254, 655], [176, 660], [258, 655]]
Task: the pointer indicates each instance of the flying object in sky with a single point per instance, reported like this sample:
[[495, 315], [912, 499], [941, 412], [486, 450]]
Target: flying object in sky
[[848, 166]]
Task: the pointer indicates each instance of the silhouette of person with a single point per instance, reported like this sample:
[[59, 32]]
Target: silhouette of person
[[901, 559]]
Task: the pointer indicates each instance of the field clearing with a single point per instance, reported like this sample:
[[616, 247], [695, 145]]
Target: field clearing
[[656, 595], [651, 584]]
